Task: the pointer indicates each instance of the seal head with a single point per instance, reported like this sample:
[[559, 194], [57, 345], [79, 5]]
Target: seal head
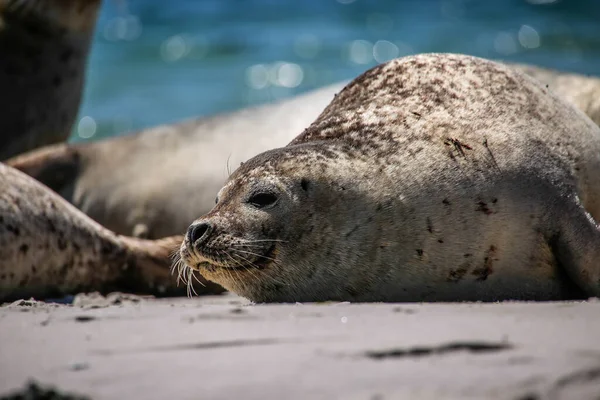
[[267, 238]]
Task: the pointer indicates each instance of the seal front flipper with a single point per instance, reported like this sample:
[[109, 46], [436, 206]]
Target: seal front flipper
[[55, 166]]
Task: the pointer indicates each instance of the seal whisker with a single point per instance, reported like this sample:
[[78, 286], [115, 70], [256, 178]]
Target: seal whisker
[[190, 284], [254, 267], [176, 257], [243, 245], [255, 254], [234, 272], [262, 240], [197, 279]]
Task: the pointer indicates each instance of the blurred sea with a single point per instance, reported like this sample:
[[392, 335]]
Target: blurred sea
[[158, 61]]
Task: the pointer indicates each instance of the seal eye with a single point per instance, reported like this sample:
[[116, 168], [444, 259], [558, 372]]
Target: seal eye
[[262, 200]]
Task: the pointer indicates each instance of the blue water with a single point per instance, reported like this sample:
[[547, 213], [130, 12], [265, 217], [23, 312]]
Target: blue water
[[158, 61]]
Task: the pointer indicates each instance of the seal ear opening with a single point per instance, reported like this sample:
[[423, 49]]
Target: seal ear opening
[[304, 184]]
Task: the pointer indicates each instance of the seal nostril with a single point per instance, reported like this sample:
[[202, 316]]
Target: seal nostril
[[199, 232]]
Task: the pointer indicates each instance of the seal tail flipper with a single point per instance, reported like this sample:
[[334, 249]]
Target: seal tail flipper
[[578, 248], [55, 166]]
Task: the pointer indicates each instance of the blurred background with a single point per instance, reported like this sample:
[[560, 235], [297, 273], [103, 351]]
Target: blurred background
[[158, 61]]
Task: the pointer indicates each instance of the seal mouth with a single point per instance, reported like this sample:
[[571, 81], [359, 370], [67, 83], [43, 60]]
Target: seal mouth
[[236, 261]]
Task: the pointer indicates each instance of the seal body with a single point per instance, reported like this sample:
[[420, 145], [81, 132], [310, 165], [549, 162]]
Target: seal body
[[160, 170], [435, 177], [49, 248], [44, 47]]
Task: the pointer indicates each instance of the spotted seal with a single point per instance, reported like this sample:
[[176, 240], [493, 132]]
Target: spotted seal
[[48, 248], [435, 177], [44, 47], [136, 202]]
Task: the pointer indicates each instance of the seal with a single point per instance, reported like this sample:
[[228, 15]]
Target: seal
[[436, 177], [139, 200], [44, 47], [48, 248]]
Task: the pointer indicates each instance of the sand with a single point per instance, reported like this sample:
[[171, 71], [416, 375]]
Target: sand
[[222, 347]]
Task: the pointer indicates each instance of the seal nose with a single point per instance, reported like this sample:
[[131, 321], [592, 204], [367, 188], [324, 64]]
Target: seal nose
[[199, 232]]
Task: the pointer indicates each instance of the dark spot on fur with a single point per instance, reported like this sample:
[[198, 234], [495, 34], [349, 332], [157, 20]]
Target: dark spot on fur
[[487, 268], [106, 249], [13, 229], [24, 248], [62, 243], [467, 255], [457, 274], [494, 201], [446, 202], [483, 207], [33, 269], [50, 225], [429, 225], [440, 241], [420, 252]]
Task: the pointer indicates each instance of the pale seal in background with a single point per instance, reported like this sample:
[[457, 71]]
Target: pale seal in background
[[49, 248], [435, 177], [580, 90], [44, 47], [162, 178]]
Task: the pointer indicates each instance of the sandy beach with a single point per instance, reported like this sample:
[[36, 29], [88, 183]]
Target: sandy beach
[[223, 347]]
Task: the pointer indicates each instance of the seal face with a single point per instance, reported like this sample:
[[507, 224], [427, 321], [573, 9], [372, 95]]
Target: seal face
[[432, 177]]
